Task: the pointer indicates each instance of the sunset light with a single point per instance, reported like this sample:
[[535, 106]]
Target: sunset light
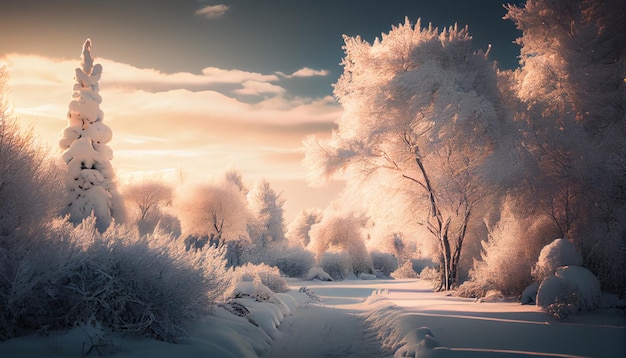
[[291, 178]]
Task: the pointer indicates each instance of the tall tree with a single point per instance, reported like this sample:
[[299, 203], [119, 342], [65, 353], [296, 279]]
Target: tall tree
[[573, 119], [299, 229], [420, 117], [266, 206], [90, 178]]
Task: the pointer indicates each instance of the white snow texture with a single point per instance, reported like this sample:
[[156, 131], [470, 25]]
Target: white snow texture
[[89, 178]]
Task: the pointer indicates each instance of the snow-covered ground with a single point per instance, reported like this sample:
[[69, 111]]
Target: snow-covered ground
[[355, 318]]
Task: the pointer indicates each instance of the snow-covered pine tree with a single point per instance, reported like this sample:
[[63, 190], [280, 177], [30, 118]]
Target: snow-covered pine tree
[[267, 208], [90, 178]]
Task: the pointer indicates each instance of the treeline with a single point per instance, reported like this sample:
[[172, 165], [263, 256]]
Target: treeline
[[488, 165]]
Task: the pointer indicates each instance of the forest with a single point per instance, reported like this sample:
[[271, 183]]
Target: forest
[[457, 172]]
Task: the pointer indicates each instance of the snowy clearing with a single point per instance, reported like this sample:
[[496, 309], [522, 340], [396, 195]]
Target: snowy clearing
[[362, 318]]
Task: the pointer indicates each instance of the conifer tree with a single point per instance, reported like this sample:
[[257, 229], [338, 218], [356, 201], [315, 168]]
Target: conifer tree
[[90, 178]]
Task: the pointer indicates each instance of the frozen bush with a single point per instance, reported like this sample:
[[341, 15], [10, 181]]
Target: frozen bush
[[147, 287], [341, 232], [251, 288], [570, 290], [384, 262], [265, 274], [337, 264], [405, 271], [556, 297], [529, 295], [559, 252], [508, 255], [298, 230], [431, 274], [318, 273], [585, 285], [31, 193], [292, 261]]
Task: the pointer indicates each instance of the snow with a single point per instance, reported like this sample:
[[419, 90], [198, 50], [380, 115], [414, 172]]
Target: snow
[[84, 142], [559, 252], [360, 318], [318, 273], [585, 285], [571, 289]]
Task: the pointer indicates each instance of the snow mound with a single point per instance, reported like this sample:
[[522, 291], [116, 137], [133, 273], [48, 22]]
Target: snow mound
[[252, 289], [570, 289], [585, 284], [418, 342], [265, 315], [366, 276], [319, 274], [529, 295], [559, 252], [289, 301]]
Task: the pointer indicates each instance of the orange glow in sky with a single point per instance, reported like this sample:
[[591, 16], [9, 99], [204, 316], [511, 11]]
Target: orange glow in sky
[[161, 128]]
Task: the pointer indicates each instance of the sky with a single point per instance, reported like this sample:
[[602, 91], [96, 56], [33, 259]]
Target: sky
[[198, 87]]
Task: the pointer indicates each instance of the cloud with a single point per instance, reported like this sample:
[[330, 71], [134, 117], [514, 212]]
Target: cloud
[[256, 88], [33, 70], [234, 76], [305, 72], [212, 11], [171, 120], [123, 75]]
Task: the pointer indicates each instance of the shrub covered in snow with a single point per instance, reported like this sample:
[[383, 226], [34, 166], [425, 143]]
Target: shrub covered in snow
[[570, 289], [505, 263], [562, 287], [292, 261], [337, 241], [529, 295], [559, 252], [267, 275], [384, 262], [147, 287], [405, 271], [556, 297], [318, 273], [252, 289], [337, 264], [431, 274]]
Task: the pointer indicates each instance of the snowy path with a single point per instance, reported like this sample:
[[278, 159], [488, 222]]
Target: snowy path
[[337, 328], [334, 328]]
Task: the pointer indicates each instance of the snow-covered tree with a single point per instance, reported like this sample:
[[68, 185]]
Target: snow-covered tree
[[299, 228], [573, 123], [235, 177], [90, 178], [216, 211], [266, 207], [150, 198], [341, 233], [421, 113]]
